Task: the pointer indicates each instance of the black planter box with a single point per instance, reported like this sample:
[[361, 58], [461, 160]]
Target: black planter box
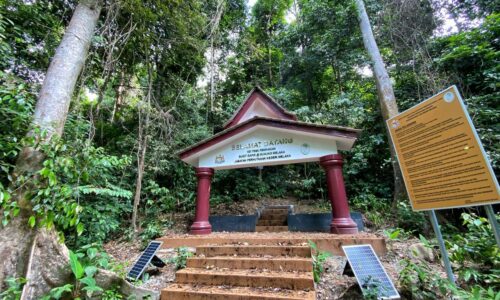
[[233, 223], [319, 222]]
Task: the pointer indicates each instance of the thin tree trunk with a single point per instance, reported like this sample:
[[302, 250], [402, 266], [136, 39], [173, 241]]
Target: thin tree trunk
[[338, 75], [141, 154], [269, 64], [120, 90], [269, 54], [35, 253], [212, 71], [140, 174], [386, 96], [212, 35]]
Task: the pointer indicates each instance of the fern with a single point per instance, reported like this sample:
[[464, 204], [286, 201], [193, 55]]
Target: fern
[[109, 191]]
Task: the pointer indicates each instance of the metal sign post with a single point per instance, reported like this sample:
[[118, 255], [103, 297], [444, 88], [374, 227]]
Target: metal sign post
[[442, 247], [493, 221]]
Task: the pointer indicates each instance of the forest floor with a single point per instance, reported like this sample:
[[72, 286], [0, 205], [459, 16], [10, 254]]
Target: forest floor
[[333, 285]]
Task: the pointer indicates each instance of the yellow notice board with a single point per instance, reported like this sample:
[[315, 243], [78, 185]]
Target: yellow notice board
[[443, 162]]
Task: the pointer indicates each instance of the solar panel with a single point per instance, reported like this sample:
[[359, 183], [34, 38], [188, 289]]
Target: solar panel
[[146, 257], [370, 274]]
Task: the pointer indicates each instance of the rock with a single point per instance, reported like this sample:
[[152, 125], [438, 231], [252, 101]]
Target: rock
[[420, 251]]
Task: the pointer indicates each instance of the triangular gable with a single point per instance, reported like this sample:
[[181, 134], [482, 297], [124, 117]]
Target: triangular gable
[[259, 104]]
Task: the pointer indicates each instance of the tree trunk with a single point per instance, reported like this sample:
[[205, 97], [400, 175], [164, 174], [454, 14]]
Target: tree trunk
[[141, 153], [120, 91], [269, 53], [212, 71], [35, 253], [387, 100]]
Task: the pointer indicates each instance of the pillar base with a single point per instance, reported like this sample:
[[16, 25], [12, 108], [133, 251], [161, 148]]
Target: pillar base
[[343, 226], [200, 228]]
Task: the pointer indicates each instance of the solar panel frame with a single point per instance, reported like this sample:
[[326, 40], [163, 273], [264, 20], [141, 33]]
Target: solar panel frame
[[362, 274], [144, 259]]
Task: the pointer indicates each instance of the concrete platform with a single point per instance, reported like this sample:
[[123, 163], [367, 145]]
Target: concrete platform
[[324, 241]]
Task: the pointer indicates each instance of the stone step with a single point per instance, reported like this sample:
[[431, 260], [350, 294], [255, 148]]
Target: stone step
[[271, 228], [247, 278], [203, 292], [231, 262], [274, 211], [261, 222], [253, 250], [274, 217]]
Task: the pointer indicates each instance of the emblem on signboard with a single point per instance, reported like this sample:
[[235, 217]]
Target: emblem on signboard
[[395, 124], [219, 159], [305, 149], [448, 97]]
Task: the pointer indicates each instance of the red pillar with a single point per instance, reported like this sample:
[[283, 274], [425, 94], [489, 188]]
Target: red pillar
[[341, 218], [201, 224]]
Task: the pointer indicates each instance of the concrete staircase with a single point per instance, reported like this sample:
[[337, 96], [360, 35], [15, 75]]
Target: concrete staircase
[[273, 219], [245, 271]]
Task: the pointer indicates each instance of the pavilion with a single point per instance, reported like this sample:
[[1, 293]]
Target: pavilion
[[262, 133]]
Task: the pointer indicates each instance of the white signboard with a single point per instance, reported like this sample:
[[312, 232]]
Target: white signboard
[[262, 147]]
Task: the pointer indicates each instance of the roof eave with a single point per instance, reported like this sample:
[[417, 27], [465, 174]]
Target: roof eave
[[351, 133]]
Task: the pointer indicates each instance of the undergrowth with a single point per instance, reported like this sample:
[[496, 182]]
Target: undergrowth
[[476, 260]]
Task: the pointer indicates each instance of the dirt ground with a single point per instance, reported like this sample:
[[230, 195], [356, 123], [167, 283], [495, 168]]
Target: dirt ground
[[249, 207]]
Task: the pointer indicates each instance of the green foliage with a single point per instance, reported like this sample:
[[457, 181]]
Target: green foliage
[[73, 178], [410, 220], [112, 294], [58, 292], [397, 234], [471, 58], [16, 107], [180, 258], [152, 230], [319, 258], [14, 288], [476, 252], [477, 256], [159, 197], [477, 292], [372, 288], [84, 265], [76, 266], [84, 284], [375, 209], [418, 281], [30, 48]]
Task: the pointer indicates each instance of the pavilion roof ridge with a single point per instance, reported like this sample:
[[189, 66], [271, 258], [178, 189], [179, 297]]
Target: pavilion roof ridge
[[249, 100]]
